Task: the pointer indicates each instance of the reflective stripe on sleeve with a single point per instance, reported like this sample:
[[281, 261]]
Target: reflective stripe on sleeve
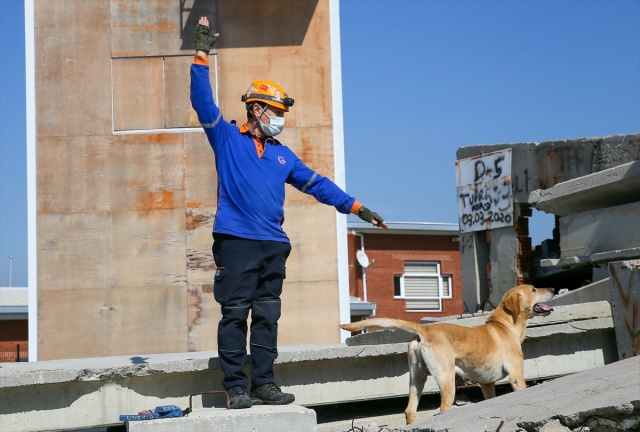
[[304, 188], [212, 125]]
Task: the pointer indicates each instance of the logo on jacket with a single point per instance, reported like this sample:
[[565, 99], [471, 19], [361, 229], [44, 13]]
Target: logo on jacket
[[281, 160]]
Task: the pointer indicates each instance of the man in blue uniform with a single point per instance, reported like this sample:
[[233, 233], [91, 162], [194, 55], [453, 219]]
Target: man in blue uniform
[[250, 248]]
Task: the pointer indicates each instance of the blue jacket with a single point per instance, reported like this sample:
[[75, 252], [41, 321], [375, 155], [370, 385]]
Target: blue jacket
[[251, 189]]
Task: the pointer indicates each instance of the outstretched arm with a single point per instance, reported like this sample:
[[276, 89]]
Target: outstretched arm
[[327, 192]]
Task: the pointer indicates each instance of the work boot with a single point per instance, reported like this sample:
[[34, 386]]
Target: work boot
[[270, 394], [238, 398]]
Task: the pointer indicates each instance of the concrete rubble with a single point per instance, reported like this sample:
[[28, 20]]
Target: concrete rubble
[[598, 400]]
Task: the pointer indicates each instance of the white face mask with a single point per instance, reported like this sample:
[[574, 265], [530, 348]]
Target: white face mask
[[275, 126]]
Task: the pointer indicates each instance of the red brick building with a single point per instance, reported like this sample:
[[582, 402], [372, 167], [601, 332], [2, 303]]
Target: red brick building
[[14, 327], [410, 271]]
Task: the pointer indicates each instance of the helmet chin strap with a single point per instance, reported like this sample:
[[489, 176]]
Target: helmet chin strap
[[264, 110]]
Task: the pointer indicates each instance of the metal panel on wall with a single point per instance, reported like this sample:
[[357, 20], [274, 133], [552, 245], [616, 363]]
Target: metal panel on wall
[[138, 93]]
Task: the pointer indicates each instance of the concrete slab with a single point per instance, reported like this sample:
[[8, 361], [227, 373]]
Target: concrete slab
[[596, 258], [594, 292], [616, 255], [610, 229], [265, 418], [603, 391], [607, 188]]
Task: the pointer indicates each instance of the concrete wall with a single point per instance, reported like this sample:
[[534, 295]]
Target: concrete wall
[[495, 260], [126, 191]]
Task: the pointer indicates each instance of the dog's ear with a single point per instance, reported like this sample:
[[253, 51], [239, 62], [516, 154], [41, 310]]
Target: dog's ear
[[512, 304]]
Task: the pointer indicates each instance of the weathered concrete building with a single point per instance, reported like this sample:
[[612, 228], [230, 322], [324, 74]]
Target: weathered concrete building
[[495, 259], [126, 185], [592, 186]]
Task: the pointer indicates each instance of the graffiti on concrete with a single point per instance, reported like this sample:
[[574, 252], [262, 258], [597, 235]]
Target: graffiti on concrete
[[485, 197]]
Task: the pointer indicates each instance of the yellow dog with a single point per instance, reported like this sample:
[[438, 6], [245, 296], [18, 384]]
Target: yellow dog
[[484, 354]]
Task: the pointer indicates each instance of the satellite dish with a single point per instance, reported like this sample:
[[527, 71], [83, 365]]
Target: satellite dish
[[362, 258]]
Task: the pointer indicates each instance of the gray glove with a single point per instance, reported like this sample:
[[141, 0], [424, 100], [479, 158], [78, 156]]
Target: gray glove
[[368, 216], [204, 39]]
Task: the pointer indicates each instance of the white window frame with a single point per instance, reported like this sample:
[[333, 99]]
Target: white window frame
[[430, 275]]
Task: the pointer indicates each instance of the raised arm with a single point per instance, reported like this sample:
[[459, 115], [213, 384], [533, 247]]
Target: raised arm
[[202, 100], [204, 40]]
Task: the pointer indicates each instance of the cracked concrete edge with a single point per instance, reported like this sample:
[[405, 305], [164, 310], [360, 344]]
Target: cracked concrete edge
[[579, 419], [572, 327], [113, 369]]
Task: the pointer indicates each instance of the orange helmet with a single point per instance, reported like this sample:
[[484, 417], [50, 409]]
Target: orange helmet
[[268, 92]]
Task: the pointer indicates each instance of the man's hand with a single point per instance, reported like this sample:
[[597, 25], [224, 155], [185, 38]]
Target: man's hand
[[204, 39], [372, 217]]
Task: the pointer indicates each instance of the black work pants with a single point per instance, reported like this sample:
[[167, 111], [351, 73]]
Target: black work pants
[[249, 278]]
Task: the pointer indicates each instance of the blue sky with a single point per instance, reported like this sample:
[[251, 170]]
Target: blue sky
[[420, 79], [13, 156]]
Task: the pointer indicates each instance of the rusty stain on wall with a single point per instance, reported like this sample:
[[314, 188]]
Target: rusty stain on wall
[[151, 138], [200, 301], [554, 169], [196, 221], [158, 200]]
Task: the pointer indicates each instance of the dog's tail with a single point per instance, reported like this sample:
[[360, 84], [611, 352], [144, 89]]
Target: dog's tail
[[386, 323]]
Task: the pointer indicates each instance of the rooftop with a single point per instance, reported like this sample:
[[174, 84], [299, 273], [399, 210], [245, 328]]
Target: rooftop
[[14, 303], [425, 228]]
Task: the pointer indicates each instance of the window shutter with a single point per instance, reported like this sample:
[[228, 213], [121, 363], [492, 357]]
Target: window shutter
[[421, 293], [423, 304], [420, 286], [420, 267]]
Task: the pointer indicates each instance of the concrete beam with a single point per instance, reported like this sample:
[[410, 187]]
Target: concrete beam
[[611, 187], [596, 258], [594, 292], [625, 302], [609, 229]]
